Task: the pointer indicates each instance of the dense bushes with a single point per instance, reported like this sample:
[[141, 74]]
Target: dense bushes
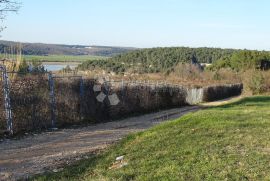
[[244, 60], [32, 67], [170, 56], [256, 82], [104, 64]]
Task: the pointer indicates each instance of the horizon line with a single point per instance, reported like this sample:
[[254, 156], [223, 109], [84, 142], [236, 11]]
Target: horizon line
[[132, 47]]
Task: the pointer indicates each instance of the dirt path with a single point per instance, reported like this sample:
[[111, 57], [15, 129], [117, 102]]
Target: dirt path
[[222, 102], [53, 150]]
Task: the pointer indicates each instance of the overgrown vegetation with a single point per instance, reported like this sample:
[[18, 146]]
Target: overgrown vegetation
[[256, 83], [31, 67], [244, 60], [182, 66], [159, 59], [229, 142], [104, 64], [165, 60]]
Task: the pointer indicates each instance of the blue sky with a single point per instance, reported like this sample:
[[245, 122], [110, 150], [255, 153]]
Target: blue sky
[[143, 23]]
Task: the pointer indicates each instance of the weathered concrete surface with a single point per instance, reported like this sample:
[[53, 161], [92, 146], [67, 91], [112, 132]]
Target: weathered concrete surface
[[53, 150], [212, 93]]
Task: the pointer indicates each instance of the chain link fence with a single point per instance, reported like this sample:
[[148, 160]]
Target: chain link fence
[[44, 101]]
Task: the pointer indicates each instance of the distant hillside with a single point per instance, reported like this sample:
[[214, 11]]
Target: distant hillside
[[161, 59], [174, 55], [57, 49]]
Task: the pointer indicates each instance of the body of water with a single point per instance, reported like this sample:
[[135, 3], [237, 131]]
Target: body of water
[[58, 66]]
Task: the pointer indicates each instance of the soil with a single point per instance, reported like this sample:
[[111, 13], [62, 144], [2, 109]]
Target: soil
[[51, 151]]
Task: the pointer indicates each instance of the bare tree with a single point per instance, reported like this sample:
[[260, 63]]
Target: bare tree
[[7, 6]]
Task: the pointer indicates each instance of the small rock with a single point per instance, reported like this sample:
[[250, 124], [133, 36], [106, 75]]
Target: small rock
[[58, 170], [120, 158], [55, 170]]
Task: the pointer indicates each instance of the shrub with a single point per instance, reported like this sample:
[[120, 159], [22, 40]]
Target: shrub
[[256, 83], [217, 76], [244, 60]]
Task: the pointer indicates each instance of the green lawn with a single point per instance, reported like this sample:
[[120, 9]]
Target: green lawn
[[60, 58], [230, 142]]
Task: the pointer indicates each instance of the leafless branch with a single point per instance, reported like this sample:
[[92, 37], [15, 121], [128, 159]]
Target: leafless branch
[[7, 6]]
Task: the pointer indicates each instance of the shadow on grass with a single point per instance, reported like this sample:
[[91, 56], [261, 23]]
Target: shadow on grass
[[249, 101]]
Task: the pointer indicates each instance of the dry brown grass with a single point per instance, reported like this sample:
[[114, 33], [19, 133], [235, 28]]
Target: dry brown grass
[[190, 75], [256, 82], [187, 75]]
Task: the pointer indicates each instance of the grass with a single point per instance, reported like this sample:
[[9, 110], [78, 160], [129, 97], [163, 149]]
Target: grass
[[60, 58], [230, 142]]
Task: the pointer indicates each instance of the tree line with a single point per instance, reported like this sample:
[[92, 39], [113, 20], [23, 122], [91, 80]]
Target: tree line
[[244, 60], [154, 60]]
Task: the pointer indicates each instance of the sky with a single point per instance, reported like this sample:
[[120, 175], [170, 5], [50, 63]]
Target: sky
[[143, 23]]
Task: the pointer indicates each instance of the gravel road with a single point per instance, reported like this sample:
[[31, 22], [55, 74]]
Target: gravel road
[[36, 154]]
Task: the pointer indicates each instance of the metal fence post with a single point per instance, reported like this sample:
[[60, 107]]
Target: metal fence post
[[81, 97], [52, 99], [7, 99]]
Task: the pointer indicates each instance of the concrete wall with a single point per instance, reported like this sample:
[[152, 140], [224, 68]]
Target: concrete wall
[[212, 93]]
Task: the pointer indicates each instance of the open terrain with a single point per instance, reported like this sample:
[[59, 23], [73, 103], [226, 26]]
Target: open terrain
[[56, 58], [227, 142], [62, 58], [54, 150], [59, 49]]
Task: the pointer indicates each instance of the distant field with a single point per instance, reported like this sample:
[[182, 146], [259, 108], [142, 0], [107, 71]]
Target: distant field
[[59, 58]]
